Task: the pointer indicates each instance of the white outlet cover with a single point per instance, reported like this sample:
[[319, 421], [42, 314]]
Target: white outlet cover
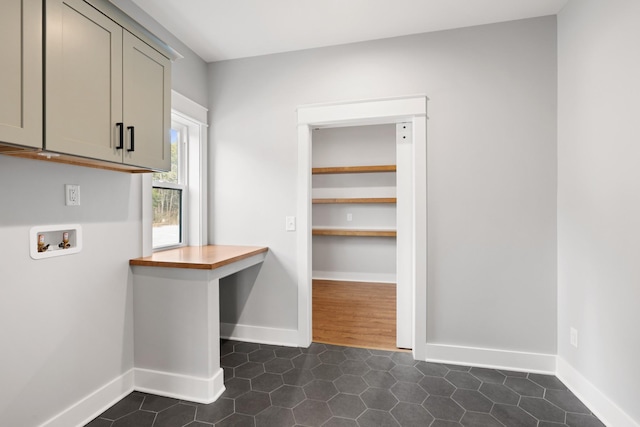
[[72, 195]]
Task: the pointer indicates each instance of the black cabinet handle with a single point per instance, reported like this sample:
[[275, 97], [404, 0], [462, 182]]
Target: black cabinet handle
[[120, 126], [132, 146]]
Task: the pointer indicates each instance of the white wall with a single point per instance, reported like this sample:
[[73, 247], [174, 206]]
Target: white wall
[[65, 322], [491, 161], [599, 195]]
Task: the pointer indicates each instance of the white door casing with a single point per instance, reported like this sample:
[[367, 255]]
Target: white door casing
[[404, 238], [413, 231]]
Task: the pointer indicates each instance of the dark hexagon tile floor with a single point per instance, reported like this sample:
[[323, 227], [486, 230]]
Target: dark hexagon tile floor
[[333, 386]]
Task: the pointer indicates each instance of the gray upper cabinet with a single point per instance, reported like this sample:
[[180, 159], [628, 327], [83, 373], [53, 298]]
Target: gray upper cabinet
[[107, 92], [147, 104], [107, 85], [21, 73], [83, 81]]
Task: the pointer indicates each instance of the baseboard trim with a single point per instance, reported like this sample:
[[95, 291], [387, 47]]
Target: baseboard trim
[[259, 334], [89, 407], [184, 387], [207, 390], [601, 406], [492, 358]]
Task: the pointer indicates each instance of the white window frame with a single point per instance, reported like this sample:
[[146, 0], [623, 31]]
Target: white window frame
[[184, 128], [194, 117]]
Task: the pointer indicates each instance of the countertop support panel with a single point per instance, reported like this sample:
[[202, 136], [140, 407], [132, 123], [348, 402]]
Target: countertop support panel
[[176, 314]]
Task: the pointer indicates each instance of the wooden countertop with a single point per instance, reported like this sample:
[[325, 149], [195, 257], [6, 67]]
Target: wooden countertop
[[199, 257]]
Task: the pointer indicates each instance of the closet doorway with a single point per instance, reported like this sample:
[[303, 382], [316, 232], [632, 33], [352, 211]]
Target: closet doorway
[[405, 119], [354, 231]]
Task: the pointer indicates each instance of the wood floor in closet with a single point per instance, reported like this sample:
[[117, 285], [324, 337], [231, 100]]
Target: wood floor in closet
[[355, 314]]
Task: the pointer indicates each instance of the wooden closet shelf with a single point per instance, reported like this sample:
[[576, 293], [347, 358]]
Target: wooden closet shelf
[[350, 232], [356, 200], [353, 169]]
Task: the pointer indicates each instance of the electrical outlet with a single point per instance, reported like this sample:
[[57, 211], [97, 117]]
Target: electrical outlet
[[349, 217], [72, 195], [573, 337]]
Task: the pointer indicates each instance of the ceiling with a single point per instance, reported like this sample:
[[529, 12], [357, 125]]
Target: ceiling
[[229, 29]]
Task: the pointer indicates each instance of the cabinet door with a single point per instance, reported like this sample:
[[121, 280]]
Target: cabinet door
[[147, 105], [83, 81], [21, 72]]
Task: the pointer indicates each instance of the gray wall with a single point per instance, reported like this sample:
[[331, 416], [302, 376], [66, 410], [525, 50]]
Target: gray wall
[[491, 172], [66, 322], [189, 73], [599, 195]]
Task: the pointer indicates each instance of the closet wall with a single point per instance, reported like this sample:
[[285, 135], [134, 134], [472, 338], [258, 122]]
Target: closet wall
[[348, 257]]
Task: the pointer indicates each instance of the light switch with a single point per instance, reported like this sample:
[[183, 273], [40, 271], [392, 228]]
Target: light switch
[[290, 223]]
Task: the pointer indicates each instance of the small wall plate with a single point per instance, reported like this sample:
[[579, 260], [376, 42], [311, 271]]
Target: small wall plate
[[53, 237]]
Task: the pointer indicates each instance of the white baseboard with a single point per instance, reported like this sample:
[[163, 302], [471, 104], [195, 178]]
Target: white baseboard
[[208, 390], [347, 276], [492, 358], [184, 387], [259, 334], [607, 411], [95, 403]]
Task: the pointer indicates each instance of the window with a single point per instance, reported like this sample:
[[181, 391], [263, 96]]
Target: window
[[169, 194], [174, 209]]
